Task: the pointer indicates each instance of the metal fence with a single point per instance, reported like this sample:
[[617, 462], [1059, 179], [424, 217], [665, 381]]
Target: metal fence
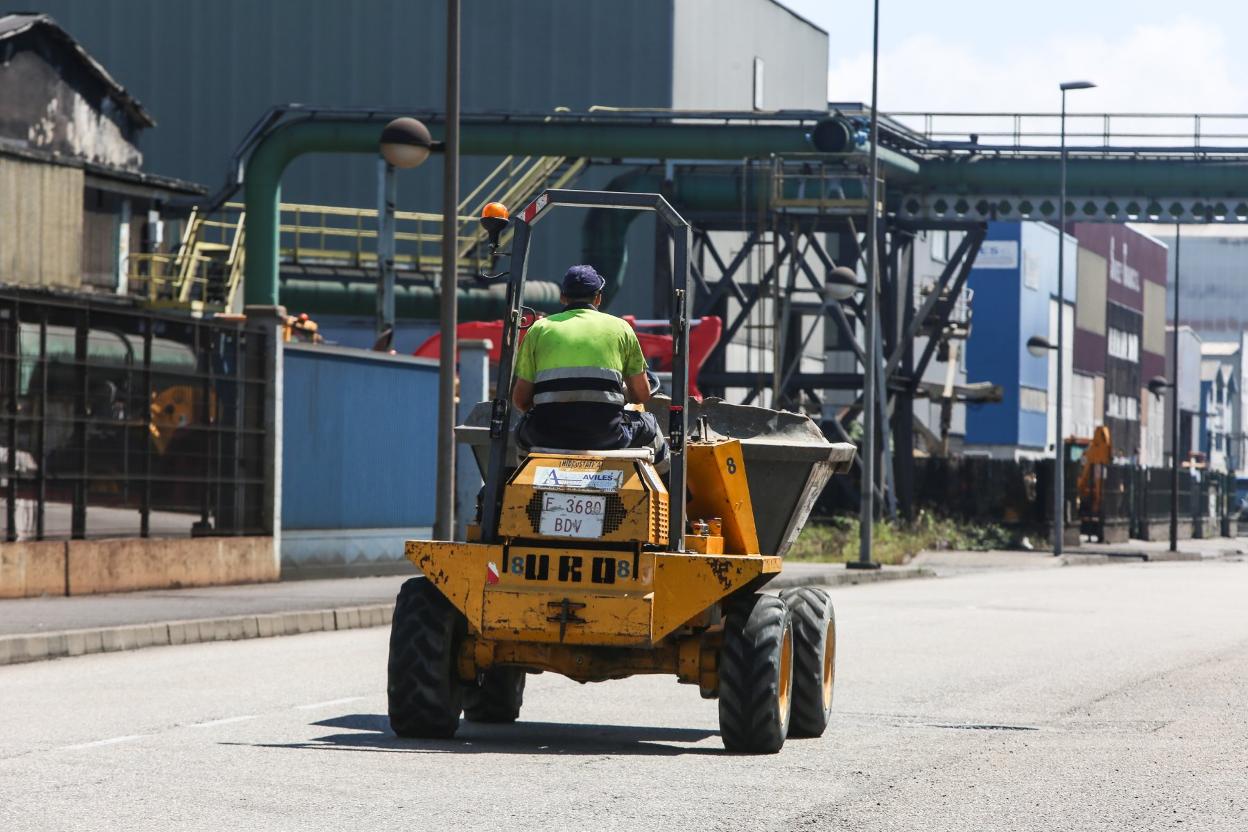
[[117, 422], [1018, 495]]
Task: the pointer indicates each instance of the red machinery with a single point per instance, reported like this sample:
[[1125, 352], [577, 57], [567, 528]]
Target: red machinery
[[655, 346]]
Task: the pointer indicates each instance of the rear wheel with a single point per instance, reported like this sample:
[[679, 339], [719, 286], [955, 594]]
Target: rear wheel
[[756, 675], [814, 659], [498, 696], [423, 685]]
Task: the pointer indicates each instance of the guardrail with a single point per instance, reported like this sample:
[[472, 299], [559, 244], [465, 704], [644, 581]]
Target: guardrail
[[1122, 132]]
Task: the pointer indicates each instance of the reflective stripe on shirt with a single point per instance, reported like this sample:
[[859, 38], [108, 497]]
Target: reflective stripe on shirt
[[579, 384]]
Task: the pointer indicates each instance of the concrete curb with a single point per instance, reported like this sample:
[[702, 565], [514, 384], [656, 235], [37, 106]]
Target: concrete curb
[[1078, 558], [33, 647], [850, 577]]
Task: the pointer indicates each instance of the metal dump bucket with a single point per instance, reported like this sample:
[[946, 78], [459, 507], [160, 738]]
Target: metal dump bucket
[[787, 460]]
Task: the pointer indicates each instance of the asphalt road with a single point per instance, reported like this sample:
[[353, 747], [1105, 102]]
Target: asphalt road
[[1060, 699]]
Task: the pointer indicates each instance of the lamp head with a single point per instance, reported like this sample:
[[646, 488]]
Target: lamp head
[[406, 143], [842, 284], [1076, 85], [1039, 346]]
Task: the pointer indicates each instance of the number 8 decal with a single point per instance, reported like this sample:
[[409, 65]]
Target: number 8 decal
[[731, 465]]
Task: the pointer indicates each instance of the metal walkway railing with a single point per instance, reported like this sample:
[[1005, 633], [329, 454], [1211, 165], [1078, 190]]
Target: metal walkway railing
[[1212, 133], [207, 269]]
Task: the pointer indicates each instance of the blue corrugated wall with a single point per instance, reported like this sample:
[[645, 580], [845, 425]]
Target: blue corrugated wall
[[991, 352], [359, 440]]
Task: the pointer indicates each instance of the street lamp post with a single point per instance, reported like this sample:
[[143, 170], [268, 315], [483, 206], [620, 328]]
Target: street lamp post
[[1174, 406], [866, 516], [1059, 478], [444, 511]]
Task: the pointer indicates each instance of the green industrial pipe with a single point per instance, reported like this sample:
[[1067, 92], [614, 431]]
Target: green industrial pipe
[[1101, 177], [358, 298], [288, 141]]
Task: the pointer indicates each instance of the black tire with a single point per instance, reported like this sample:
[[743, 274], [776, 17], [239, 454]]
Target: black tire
[[814, 659], [756, 675], [497, 698], [423, 685]]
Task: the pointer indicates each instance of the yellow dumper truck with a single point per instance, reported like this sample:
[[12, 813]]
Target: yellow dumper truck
[[592, 565]]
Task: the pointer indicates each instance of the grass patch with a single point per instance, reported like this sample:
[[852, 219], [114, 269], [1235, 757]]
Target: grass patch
[[835, 540]]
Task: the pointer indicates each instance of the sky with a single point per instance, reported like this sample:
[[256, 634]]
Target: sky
[[1145, 55]]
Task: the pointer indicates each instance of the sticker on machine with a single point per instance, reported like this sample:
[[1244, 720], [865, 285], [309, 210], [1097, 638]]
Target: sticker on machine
[[491, 573], [563, 479]]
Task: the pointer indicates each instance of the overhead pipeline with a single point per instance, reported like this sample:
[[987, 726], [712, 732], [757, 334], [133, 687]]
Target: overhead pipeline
[[607, 137], [1108, 176], [359, 298]]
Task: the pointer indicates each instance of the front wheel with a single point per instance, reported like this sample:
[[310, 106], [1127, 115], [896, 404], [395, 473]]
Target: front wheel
[[814, 659], [756, 675]]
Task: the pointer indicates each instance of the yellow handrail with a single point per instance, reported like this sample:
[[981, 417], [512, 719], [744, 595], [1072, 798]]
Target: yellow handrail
[[337, 234]]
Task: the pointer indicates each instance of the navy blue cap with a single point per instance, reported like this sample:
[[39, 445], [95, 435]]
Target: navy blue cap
[[582, 282]]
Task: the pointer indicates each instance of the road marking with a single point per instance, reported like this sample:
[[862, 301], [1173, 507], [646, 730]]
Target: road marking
[[96, 743], [226, 721], [328, 702]]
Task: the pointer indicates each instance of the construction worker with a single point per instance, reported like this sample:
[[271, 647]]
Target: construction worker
[[575, 371]]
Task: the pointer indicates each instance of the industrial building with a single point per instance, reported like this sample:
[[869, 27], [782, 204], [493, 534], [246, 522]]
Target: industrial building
[[532, 57], [1118, 338], [76, 201], [1211, 276], [1014, 280]]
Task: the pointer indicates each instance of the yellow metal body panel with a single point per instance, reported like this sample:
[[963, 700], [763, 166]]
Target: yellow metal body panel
[[636, 501], [686, 585], [718, 488], [536, 615], [459, 570], [593, 597]]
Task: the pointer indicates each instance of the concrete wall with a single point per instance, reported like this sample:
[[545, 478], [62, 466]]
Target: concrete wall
[[85, 567], [40, 224]]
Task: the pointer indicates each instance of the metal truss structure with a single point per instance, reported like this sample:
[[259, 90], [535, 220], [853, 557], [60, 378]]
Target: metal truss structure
[[777, 282]]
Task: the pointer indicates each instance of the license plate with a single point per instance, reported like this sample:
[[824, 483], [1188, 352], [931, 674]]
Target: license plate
[[572, 515]]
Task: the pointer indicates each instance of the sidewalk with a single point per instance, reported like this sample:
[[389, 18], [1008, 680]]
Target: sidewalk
[[1159, 550], [43, 628], [953, 562]]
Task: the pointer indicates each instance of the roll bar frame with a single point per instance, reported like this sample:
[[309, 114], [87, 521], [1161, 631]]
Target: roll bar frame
[[500, 412]]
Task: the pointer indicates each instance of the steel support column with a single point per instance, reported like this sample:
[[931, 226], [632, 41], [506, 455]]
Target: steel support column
[[387, 195]]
